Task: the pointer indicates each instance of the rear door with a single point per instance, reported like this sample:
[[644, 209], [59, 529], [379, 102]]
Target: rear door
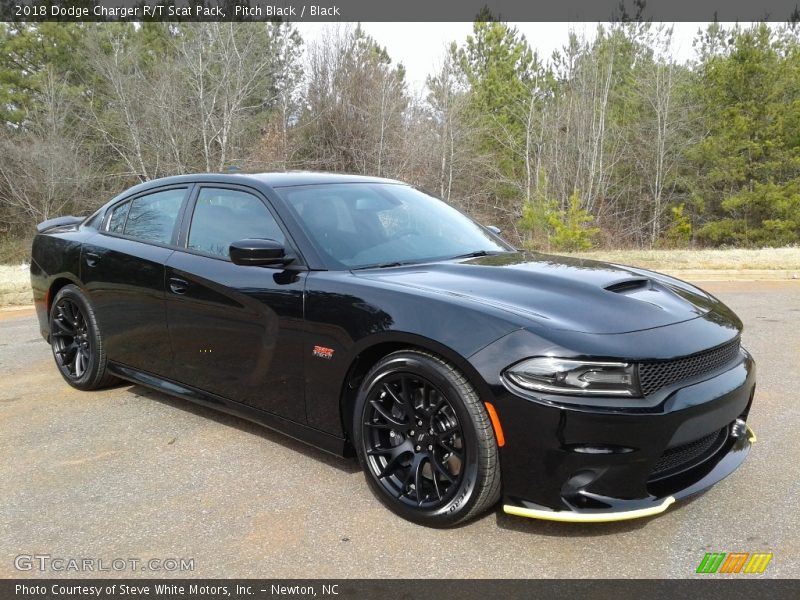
[[236, 331], [122, 268]]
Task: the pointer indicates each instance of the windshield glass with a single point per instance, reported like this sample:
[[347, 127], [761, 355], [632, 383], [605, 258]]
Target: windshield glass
[[358, 225]]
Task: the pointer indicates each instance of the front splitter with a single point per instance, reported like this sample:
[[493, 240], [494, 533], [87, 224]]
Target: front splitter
[[723, 469], [569, 516]]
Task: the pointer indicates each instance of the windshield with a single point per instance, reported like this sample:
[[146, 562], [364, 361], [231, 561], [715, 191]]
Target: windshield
[[359, 225]]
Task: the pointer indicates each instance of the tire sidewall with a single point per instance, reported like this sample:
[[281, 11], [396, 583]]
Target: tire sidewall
[[466, 495], [85, 381]]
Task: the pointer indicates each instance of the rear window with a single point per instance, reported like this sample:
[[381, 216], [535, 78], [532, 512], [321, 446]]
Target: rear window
[[150, 218], [117, 221]]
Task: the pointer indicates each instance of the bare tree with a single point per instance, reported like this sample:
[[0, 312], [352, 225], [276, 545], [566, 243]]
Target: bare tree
[[448, 101], [117, 112], [353, 118], [42, 171], [663, 132], [577, 143], [230, 71]]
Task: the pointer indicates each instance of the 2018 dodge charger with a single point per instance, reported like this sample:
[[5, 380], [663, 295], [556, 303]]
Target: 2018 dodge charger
[[359, 313]]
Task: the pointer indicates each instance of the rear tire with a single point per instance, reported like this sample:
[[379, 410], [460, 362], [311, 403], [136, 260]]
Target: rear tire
[[76, 341], [425, 441]]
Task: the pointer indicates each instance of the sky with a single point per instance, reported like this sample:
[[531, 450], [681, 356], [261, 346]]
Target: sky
[[421, 46]]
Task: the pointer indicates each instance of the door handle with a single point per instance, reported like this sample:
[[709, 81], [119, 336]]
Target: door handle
[[91, 258], [178, 286]]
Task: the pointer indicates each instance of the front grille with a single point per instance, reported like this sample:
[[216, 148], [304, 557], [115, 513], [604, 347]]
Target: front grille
[[655, 375], [680, 458]]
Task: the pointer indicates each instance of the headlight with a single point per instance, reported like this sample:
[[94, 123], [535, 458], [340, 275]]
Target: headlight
[[577, 377]]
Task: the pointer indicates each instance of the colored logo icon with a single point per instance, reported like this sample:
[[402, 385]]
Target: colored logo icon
[[734, 562]]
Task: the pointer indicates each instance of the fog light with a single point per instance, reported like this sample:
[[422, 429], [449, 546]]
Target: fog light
[[738, 428]]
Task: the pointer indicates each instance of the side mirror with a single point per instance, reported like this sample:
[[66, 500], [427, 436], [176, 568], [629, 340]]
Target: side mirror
[[495, 230], [258, 252]]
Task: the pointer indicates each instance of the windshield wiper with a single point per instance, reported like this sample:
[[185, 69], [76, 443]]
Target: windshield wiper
[[475, 254], [387, 265], [382, 265]]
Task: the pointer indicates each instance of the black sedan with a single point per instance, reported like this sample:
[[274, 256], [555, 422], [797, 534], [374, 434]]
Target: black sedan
[[361, 314]]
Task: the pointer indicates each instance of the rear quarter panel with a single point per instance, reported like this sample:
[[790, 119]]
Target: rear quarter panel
[[55, 257]]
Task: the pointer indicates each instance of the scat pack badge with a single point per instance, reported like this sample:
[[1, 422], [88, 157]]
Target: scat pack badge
[[323, 352]]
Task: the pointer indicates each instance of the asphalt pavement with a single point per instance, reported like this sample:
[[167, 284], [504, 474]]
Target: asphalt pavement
[[126, 473]]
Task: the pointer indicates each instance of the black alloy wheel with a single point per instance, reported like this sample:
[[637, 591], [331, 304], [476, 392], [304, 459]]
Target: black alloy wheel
[[425, 441], [414, 441], [70, 334], [76, 342]]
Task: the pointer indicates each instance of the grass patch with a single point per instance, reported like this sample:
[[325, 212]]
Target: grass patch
[[15, 250], [738, 259]]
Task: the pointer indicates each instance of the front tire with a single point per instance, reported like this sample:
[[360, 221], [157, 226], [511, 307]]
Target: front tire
[[76, 342], [425, 441]]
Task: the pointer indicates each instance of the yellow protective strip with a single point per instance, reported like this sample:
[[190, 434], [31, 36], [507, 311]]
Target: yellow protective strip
[[576, 517], [751, 436]]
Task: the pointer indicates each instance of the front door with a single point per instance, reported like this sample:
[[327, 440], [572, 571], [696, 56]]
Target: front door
[[236, 331]]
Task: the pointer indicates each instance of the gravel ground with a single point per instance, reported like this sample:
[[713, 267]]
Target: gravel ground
[[128, 473]]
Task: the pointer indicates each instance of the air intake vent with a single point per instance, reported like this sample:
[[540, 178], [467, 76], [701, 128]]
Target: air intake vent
[[689, 455], [629, 285], [657, 374]]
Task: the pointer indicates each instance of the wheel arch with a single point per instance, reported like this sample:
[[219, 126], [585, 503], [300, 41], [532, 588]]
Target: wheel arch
[[373, 349], [45, 304], [55, 286]]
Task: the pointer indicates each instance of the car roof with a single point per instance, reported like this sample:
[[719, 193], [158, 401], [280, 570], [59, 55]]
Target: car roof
[[286, 179], [291, 178], [270, 180]]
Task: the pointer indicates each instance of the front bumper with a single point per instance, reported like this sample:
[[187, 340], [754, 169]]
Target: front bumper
[[588, 464], [651, 507]]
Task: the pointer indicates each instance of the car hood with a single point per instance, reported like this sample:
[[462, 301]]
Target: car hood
[[559, 292]]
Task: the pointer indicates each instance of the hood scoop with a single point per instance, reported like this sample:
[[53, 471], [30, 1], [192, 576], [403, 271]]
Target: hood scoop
[[629, 285]]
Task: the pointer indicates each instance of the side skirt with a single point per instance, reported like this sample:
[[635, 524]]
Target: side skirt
[[304, 433]]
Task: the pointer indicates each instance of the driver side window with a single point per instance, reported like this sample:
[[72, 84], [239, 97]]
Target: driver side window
[[224, 216]]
